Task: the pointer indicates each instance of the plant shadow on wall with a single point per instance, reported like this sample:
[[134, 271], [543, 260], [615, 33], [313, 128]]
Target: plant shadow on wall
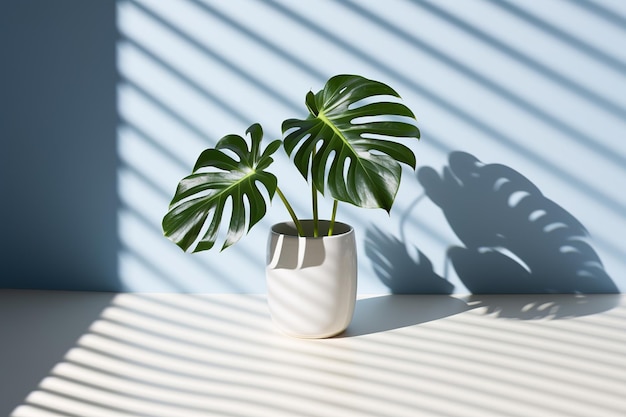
[[516, 241]]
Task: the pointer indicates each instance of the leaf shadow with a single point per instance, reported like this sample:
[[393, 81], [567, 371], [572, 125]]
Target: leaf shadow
[[515, 240], [399, 270], [523, 256]]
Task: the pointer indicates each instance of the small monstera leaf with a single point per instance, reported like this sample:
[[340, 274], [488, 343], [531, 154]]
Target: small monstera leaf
[[217, 177], [350, 123]]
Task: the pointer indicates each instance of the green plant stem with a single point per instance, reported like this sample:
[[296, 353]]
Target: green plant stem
[[332, 218], [291, 212], [314, 200], [315, 213]]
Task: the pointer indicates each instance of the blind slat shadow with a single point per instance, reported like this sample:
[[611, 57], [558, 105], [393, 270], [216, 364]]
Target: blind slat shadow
[[213, 271], [615, 64], [188, 81], [205, 351], [244, 74], [602, 12], [457, 111], [614, 108], [168, 110], [150, 354], [505, 92], [32, 341], [256, 37]]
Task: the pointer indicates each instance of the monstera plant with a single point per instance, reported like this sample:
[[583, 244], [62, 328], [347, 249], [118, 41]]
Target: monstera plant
[[346, 148], [342, 148]]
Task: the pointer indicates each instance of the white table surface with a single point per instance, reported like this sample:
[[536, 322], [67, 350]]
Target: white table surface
[[178, 355]]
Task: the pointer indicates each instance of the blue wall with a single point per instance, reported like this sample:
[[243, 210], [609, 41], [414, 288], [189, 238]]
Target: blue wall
[[57, 154], [520, 178]]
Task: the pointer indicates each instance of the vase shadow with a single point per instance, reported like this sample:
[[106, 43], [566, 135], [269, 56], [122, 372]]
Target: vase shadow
[[394, 311]]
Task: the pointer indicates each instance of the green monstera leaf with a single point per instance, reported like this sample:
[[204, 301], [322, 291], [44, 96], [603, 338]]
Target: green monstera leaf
[[344, 143], [218, 177]]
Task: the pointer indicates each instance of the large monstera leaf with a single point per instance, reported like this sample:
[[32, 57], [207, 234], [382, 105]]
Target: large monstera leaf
[[218, 177], [345, 142]]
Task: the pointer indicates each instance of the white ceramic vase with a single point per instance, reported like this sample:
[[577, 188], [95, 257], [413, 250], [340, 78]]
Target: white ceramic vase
[[311, 282]]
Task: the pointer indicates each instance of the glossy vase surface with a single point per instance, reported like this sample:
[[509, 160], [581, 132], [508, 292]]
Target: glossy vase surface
[[311, 281]]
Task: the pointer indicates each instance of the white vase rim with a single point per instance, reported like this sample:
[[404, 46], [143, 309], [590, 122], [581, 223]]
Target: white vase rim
[[289, 230]]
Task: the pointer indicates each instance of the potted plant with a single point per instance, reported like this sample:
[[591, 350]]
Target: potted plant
[[346, 148]]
